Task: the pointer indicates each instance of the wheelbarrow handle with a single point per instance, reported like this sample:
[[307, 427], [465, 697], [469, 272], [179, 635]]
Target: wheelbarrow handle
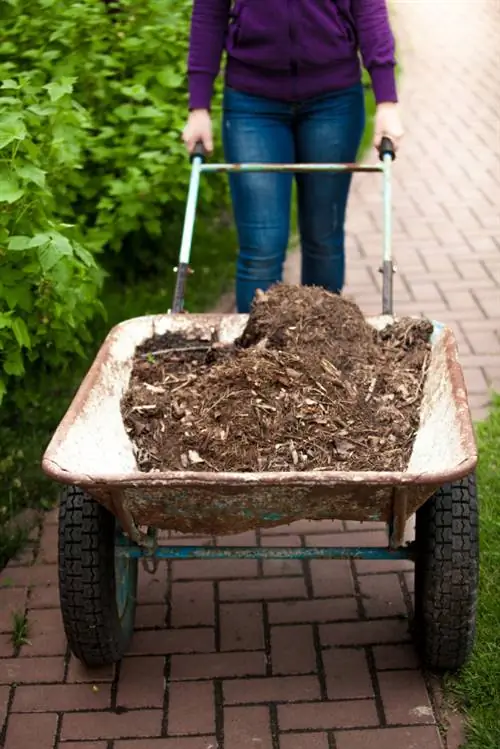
[[387, 154], [198, 152], [386, 148]]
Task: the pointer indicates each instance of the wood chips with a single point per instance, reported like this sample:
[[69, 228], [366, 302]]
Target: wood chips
[[308, 386]]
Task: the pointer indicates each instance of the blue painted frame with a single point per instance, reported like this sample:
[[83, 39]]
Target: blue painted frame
[[124, 548]]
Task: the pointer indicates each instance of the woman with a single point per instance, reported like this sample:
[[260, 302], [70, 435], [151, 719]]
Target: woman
[[293, 94]]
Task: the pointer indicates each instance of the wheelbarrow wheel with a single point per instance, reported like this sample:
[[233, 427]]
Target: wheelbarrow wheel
[[97, 590], [447, 575]]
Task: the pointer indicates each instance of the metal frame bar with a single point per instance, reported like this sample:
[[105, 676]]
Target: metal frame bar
[[199, 166], [124, 549]]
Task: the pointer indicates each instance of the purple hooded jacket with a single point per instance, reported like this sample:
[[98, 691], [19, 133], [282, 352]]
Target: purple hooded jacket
[[290, 49]]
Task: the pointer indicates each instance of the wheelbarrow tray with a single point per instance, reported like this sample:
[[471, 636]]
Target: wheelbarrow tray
[[92, 450]]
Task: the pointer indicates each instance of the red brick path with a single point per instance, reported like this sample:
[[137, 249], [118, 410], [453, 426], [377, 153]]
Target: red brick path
[[248, 655]]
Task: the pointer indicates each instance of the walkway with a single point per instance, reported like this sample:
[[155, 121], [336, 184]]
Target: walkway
[[285, 655]]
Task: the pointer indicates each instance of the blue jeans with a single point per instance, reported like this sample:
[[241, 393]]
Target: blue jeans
[[325, 129]]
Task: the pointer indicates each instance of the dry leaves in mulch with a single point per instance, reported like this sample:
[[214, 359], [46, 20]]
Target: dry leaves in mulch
[[310, 385]]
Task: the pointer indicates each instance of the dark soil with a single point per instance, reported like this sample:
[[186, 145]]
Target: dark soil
[[308, 386]]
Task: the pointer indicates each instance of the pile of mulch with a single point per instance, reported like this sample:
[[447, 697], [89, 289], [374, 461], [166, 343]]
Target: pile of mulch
[[308, 386]]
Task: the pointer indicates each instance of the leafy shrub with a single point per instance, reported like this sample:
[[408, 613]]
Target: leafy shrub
[[92, 107], [48, 281]]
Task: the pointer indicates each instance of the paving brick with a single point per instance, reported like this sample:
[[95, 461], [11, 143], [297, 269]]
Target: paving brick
[[382, 595], [327, 715], [242, 626], [48, 698], [263, 589], [347, 674], [44, 597], [4, 704], [475, 380], [48, 551], [376, 632], [405, 697], [247, 728], [165, 641], [281, 567], [141, 682], [31, 670], [151, 616], [215, 569], [414, 737], [192, 604], [152, 588], [370, 567], [392, 657], [22, 577], [190, 708], [78, 672], [132, 724], [304, 527], [272, 689], [46, 633], [200, 742], [6, 646], [361, 538], [319, 610], [84, 745], [292, 650], [249, 538], [31, 730], [218, 665], [331, 578], [287, 541], [304, 741]]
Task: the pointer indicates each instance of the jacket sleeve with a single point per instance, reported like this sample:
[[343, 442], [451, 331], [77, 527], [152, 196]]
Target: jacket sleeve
[[377, 46], [209, 22]]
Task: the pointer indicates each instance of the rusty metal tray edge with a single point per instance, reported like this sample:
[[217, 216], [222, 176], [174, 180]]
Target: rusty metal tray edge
[[53, 459]]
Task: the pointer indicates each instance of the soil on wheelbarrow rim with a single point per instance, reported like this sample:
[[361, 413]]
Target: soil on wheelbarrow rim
[[309, 385]]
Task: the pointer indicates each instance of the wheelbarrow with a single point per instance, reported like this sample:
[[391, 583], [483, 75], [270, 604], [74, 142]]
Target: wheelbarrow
[[110, 512]]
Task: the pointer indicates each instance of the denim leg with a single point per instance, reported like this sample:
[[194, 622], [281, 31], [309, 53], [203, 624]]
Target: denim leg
[[258, 130], [328, 129]]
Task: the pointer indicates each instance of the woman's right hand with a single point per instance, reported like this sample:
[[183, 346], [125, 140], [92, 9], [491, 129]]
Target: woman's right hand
[[198, 130]]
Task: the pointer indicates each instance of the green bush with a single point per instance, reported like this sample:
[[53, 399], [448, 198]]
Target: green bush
[[91, 163], [49, 282]]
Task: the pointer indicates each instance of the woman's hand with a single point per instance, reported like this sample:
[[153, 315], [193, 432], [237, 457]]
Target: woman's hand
[[388, 124], [198, 130]]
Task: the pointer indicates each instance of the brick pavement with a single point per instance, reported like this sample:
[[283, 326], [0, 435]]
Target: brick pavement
[[290, 655]]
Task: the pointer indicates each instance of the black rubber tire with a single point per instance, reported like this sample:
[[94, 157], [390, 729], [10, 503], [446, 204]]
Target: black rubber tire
[[96, 632], [447, 575]]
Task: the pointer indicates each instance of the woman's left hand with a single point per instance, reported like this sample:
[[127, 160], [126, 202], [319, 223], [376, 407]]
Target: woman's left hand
[[388, 124]]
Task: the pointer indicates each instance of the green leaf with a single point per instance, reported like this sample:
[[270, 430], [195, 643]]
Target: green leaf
[[10, 83], [52, 252], [169, 78], [58, 89], [19, 296], [21, 332], [13, 364], [32, 173], [18, 243], [3, 389], [11, 128], [9, 189], [85, 256], [41, 111], [39, 239], [5, 320]]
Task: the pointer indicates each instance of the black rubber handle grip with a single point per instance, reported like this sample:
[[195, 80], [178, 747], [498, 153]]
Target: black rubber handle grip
[[386, 148], [198, 152]]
